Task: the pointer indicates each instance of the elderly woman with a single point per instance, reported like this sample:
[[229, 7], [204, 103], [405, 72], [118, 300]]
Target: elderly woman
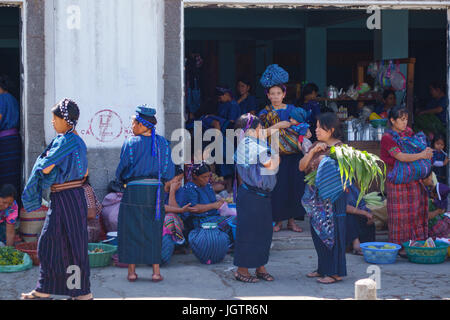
[[331, 261], [10, 142], [407, 203]]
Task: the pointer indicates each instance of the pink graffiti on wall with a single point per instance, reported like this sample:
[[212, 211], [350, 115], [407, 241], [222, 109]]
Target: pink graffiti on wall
[[106, 126]]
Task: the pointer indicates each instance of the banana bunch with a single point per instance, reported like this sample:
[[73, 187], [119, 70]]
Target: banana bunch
[[373, 199]]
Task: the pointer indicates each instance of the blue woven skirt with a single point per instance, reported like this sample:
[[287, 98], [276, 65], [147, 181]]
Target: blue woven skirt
[[290, 187], [254, 229], [332, 262], [139, 232], [64, 243]]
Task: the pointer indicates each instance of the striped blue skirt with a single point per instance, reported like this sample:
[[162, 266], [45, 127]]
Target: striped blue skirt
[[64, 243], [139, 232], [253, 230], [332, 262]]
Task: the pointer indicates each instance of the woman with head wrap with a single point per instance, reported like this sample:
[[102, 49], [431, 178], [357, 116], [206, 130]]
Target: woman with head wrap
[[200, 194], [253, 204], [145, 164], [63, 242], [290, 181], [10, 142]]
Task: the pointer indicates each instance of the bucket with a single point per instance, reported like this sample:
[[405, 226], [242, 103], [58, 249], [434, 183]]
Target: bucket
[[31, 223], [111, 238]]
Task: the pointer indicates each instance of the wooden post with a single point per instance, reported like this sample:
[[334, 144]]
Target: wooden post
[[410, 90], [365, 289]]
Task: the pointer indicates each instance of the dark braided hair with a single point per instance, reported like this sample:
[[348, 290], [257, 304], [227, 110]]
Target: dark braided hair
[[73, 112]]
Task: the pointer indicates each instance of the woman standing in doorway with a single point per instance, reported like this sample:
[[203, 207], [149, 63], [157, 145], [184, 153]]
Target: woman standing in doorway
[[246, 101], [10, 142], [290, 182]]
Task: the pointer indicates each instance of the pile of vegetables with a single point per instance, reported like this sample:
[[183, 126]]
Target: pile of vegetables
[[373, 199], [10, 256], [97, 250], [356, 166]]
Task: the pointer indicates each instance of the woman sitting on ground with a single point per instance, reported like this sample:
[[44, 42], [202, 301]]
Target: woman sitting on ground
[[360, 226], [201, 196]]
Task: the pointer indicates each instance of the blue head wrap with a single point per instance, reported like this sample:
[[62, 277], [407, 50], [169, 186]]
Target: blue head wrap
[[274, 75], [299, 114], [143, 110]]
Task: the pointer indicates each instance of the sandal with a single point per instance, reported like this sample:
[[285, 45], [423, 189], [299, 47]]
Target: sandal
[[358, 252], [264, 276], [33, 296], [132, 279], [294, 227], [320, 280], [314, 274], [158, 278], [247, 279]]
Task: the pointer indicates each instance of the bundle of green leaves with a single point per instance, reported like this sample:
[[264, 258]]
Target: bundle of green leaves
[[361, 167]]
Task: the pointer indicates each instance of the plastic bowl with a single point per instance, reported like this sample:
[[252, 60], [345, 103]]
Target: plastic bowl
[[379, 255], [376, 123], [426, 255], [100, 259]]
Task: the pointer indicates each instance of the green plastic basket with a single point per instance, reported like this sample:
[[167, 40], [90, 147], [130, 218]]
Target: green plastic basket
[[26, 264], [101, 259], [426, 255]]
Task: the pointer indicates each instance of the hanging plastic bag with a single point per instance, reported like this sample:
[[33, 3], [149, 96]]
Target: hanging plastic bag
[[398, 79]]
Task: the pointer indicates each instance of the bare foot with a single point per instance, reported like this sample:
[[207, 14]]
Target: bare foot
[[294, 227], [157, 278], [34, 295]]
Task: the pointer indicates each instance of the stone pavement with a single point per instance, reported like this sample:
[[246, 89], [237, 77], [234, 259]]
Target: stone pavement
[[291, 258]]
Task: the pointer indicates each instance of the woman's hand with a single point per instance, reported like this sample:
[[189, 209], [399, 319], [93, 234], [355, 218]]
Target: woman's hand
[[218, 204], [427, 153], [186, 208], [369, 217], [174, 186], [320, 147], [281, 125]]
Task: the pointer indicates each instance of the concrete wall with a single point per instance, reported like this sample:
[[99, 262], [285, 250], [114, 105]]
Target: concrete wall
[[108, 56]]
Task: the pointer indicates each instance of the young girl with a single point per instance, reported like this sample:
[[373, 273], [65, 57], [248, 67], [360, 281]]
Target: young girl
[[8, 214], [64, 238], [145, 162], [253, 203], [290, 181], [438, 217], [440, 159]]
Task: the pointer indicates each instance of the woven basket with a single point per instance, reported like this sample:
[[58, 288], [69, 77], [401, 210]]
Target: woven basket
[[101, 259], [31, 249], [31, 223], [426, 255]]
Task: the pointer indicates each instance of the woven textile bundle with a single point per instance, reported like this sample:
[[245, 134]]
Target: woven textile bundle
[[274, 75], [209, 245]]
